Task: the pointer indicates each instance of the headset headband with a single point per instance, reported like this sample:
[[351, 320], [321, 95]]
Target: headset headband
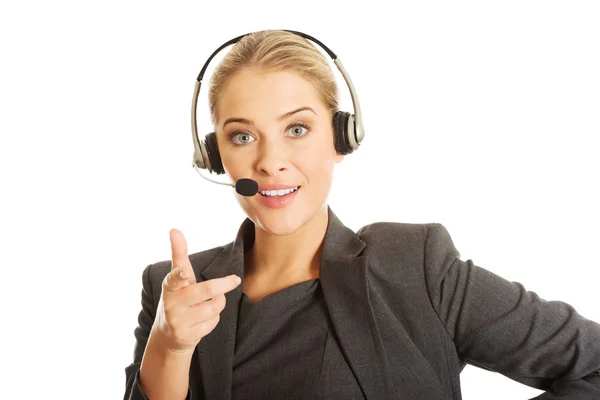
[[359, 130]]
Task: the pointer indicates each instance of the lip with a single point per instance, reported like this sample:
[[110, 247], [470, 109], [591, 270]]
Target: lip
[[277, 187], [281, 201]]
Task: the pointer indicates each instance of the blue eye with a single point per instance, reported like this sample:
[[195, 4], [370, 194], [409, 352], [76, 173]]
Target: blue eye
[[298, 132], [244, 138]]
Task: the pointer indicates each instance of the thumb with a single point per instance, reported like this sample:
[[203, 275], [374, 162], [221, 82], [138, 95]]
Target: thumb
[[175, 280], [179, 257]]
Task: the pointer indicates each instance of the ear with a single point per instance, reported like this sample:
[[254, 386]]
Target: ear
[[338, 157]]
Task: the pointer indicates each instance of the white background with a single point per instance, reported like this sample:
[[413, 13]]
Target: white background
[[483, 116]]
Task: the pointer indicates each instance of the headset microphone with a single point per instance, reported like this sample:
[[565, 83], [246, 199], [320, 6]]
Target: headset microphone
[[245, 186]]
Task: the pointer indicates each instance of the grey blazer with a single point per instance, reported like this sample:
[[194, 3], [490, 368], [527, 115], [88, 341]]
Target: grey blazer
[[409, 315]]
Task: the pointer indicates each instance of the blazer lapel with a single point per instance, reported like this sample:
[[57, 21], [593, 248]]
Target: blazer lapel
[[343, 276], [344, 281], [215, 350]]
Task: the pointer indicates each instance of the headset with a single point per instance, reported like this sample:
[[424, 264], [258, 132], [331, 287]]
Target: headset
[[348, 129]]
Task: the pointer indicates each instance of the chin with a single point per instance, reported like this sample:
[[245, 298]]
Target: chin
[[278, 229], [279, 222], [282, 221]]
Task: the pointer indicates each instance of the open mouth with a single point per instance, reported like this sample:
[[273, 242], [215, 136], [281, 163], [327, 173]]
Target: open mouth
[[279, 193]]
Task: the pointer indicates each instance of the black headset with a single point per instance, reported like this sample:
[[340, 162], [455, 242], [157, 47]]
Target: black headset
[[347, 128]]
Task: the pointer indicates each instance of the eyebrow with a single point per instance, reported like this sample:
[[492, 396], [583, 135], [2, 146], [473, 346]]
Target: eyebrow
[[281, 118]]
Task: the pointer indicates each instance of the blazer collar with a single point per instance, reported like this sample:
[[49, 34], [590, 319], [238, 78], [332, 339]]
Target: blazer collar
[[344, 282]]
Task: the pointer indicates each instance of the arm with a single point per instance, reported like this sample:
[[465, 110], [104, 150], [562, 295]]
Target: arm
[[500, 326], [153, 372]]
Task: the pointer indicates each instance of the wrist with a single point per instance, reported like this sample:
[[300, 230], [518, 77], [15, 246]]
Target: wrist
[[158, 345]]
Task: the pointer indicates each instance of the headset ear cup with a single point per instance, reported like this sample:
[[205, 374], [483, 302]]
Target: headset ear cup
[[340, 132], [213, 154]]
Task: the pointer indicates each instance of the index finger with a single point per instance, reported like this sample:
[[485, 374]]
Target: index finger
[[179, 251], [214, 287]]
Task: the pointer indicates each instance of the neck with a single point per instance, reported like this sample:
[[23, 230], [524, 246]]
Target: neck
[[292, 257]]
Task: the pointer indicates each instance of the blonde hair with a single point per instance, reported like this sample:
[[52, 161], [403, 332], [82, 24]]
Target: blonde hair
[[274, 51]]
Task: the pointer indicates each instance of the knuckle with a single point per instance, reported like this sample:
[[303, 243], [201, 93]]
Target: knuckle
[[208, 310], [222, 302], [209, 289], [168, 280], [216, 307], [168, 307], [171, 324], [209, 325], [171, 308]]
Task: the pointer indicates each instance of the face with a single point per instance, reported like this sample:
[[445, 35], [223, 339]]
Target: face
[[274, 128]]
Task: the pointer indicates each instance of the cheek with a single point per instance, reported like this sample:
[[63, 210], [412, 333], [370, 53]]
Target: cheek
[[236, 164], [317, 165], [229, 166]]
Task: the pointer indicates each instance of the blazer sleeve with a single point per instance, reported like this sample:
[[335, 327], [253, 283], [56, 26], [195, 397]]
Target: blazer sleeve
[[141, 333], [500, 326]]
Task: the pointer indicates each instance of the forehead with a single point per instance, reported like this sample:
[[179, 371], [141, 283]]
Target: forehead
[[252, 92]]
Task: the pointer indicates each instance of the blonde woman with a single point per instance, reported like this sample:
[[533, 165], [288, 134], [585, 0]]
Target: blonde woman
[[322, 312]]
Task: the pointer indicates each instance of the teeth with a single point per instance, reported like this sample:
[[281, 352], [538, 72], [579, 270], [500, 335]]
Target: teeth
[[277, 193]]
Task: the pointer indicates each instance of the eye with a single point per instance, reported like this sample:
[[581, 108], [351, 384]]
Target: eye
[[298, 129], [241, 138]]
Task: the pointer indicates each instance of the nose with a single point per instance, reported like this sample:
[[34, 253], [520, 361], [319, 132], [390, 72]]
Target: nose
[[271, 158]]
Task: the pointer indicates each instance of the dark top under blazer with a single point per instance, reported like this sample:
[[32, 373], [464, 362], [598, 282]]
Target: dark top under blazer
[[409, 314]]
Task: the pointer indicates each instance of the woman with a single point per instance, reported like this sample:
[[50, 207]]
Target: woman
[[389, 312]]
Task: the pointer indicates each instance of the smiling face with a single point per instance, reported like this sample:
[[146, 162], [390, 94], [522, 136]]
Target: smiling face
[[273, 127]]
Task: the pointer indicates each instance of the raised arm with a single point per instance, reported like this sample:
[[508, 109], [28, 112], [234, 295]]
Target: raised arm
[[159, 366], [171, 324]]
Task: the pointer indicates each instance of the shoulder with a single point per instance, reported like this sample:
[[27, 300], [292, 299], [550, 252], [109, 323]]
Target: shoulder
[[398, 233], [429, 243], [411, 250]]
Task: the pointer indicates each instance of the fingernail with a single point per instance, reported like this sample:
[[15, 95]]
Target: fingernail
[[238, 279], [181, 274]]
